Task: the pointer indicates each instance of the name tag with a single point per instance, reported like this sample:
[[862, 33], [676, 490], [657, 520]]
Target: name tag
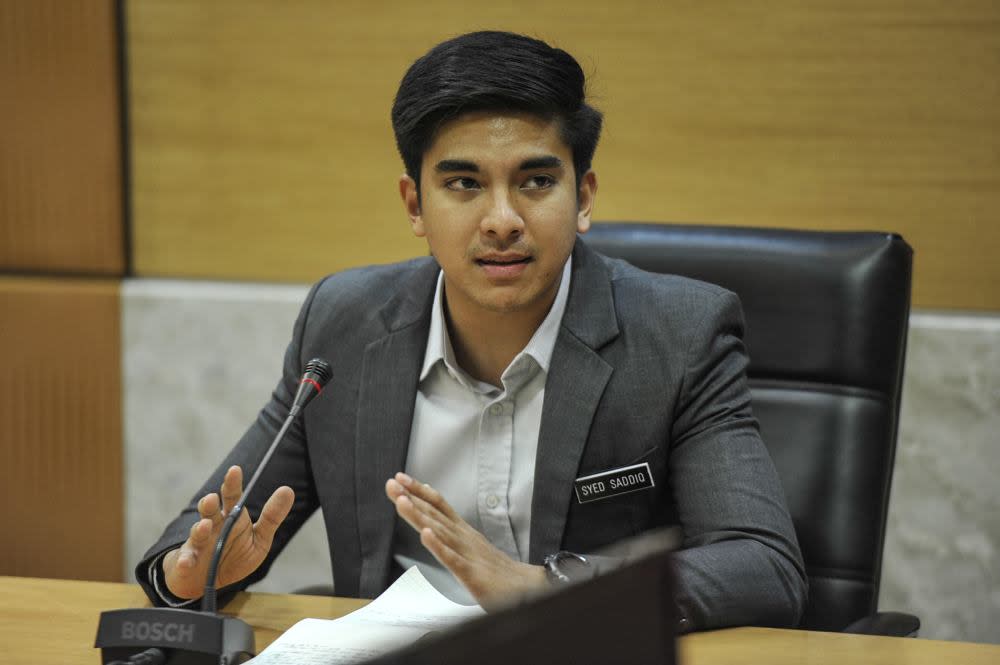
[[607, 484]]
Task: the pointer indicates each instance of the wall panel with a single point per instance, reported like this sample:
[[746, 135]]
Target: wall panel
[[942, 548], [60, 139], [199, 360], [60, 429], [263, 148]]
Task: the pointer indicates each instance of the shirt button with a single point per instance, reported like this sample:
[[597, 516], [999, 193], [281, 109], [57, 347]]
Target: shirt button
[[492, 501], [496, 410]]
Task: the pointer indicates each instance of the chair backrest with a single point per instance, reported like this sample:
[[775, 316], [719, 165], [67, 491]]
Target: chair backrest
[[827, 315]]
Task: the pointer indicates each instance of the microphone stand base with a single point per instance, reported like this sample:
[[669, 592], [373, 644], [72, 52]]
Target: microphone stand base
[[188, 637]]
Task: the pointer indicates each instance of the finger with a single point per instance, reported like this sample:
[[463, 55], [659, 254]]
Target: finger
[[209, 507], [429, 511], [394, 490], [404, 509], [419, 513], [273, 514], [446, 555], [201, 534], [472, 575], [442, 552], [403, 497], [449, 527], [409, 512], [199, 538], [232, 487], [427, 493], [418, 519]]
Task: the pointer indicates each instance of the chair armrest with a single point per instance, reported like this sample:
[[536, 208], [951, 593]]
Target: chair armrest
[[889, 624]]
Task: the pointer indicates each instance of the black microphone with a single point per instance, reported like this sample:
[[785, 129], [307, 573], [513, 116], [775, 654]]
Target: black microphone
[[192, 637], [310, 385]]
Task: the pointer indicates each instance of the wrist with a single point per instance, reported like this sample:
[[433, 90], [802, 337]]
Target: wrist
[[566, 567], [537, 576]]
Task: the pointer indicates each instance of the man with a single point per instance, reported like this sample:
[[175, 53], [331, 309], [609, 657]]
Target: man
[[471, 389]]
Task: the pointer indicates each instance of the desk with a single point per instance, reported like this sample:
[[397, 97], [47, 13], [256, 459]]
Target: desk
[[54, 621]]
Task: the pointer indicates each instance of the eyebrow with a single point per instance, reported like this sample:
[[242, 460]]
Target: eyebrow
[[548, 162], [448, 165], [451, 165]]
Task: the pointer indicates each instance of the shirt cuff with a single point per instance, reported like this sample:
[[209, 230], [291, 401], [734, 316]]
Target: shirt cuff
[[155, 574]]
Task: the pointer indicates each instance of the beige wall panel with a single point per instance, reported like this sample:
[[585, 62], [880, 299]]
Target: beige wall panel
[[60, 429], [60, 139], [263, 148]]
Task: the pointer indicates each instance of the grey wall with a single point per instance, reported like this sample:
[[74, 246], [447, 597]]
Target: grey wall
[[941, 551], [201, 358]]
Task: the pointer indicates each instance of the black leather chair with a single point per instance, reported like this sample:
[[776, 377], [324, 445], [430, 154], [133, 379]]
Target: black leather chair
[[827, 316]]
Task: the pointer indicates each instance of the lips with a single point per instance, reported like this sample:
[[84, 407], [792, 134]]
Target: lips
[[501, 268], [506, 260]]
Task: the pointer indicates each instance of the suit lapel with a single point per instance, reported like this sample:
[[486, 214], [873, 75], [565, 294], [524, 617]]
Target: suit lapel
[[576, 380], [390, 373]]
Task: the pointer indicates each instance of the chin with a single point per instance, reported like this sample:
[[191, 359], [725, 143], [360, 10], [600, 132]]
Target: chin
[[503, 305]]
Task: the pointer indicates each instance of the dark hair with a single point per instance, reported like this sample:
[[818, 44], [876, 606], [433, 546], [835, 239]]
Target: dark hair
[[493, 71]]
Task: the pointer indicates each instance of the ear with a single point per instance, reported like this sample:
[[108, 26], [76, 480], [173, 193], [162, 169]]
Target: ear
[[585, 201], [411, 201]]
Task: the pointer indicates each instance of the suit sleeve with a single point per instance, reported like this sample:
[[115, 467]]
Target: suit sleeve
[[740, 562], [289, 466]]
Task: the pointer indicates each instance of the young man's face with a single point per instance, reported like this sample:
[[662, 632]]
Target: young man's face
[[500, 210]]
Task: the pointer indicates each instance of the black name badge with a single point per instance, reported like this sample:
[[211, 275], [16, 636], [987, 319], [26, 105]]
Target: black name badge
[[607, 484]]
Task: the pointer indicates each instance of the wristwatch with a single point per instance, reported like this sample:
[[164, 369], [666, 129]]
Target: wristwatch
[[565, 567]]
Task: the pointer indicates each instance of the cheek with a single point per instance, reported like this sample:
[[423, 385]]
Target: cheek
[[561, 218], [446, 247], [561, 233]]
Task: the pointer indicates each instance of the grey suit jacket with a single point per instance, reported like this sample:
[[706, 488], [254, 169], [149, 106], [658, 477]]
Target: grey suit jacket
[[646, 368]]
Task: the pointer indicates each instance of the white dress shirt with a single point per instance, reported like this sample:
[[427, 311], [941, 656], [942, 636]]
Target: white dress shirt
[[475, 443]]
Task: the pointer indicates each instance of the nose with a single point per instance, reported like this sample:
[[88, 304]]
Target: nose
[[502, 221]]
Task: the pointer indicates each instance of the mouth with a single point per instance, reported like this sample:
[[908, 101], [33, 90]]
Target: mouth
[[503, 268], [511, 260]]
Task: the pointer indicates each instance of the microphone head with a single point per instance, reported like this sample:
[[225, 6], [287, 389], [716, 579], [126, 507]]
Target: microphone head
[[318, 370], [311, 384]]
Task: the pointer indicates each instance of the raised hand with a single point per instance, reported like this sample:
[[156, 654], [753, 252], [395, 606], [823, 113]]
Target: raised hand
[[186, 568], [492, 577]]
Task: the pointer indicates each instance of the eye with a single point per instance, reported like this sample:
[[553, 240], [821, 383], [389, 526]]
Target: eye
[[461, 184], [542, 181]]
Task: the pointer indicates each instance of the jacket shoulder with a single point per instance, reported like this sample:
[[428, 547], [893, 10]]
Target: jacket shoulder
[[371, 298], [629, 280], [367, 284]]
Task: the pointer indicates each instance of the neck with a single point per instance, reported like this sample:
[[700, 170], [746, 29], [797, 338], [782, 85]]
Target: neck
[[485, 345]]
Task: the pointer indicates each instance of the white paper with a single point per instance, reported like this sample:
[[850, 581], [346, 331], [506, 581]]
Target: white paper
[[405, 612]]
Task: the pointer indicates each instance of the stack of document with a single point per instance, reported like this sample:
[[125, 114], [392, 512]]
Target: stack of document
[[408, 610]]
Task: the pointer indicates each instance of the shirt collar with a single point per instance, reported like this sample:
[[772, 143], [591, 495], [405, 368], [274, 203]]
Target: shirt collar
[[540, 346]]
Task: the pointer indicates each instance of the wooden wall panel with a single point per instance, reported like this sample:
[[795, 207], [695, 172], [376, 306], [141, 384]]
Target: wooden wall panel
[[263, 148], [60, 429], [60, 138]]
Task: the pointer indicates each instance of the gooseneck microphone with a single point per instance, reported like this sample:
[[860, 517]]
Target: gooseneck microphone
[[191, 637], [310, 385]]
